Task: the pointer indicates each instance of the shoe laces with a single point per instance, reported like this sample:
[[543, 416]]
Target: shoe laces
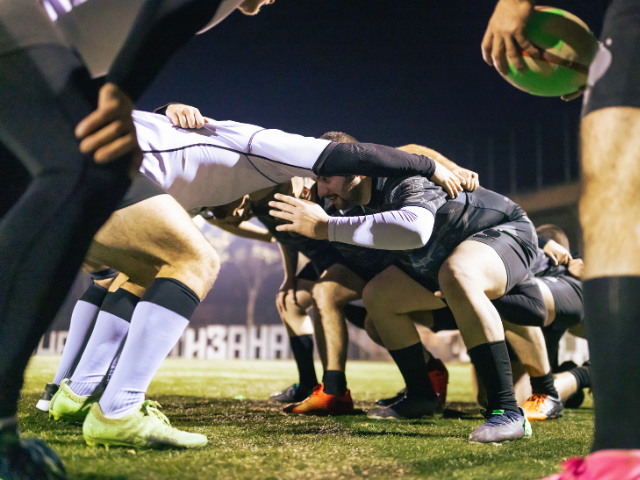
[[151, 408], [538, 400], [495, 418]]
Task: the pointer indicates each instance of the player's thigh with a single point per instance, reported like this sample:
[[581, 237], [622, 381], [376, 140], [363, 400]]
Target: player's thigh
[[609, 206], [156, 230], [394, 291], [303, 298], [338, 285], [476, 266]]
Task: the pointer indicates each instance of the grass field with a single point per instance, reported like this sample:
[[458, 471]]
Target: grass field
[[250, 438]]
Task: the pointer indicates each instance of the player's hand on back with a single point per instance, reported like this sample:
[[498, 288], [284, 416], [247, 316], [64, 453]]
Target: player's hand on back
[[451, 182], [304, 217], [557, 253], [109, 131], [504, 39], [471, 181], [185, 116], [576, 267]]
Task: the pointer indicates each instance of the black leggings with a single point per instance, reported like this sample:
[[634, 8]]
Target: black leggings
[[44, 234]]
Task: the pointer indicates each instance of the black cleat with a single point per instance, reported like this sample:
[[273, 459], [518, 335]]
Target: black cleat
[[49, 391], [27, 459], [292, 394], [406, 408], [385, 402]]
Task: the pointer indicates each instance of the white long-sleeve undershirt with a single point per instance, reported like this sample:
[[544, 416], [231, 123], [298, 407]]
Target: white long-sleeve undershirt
[[404, 229]]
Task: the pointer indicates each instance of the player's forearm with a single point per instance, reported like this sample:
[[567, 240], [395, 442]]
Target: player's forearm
[[161, 28], [404, 229], [245, 230], [371, 160], [289, 261], [431, 153]]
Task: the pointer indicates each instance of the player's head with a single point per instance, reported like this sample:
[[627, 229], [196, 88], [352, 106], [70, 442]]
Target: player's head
[[252, 7], [234, 212], [555, 233], [345, 192], [339, 137]]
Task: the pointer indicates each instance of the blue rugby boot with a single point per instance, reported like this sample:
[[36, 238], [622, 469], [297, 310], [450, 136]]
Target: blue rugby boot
[[502, 426]]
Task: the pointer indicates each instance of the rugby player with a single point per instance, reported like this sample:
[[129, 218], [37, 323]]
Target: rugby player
[[159, 245], [71, 190], [471, 262], [610, 150]]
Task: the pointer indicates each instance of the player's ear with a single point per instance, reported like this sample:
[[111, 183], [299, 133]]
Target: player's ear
[[306, 193]]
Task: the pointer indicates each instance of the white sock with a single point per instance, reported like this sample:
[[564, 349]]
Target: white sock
[[106, 339], [156, 326], [83, 320]]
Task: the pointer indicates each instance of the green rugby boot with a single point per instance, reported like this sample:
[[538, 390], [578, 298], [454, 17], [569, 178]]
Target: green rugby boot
[[69, 407], [147, 427]]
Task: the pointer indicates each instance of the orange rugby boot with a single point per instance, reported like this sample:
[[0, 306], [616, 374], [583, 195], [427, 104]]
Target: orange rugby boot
[[320, 403]]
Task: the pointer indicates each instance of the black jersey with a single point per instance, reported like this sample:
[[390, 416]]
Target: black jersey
[[455, 219], [321, 252]]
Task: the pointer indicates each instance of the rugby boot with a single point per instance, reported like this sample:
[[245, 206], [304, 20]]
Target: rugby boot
[[540, 406], [502, 426], [293, 393], [320, 403], [147, 427], [27, 458], [439, 377], [385, 402], [45, 399], [69, 407], [602, 465], [406, 408]]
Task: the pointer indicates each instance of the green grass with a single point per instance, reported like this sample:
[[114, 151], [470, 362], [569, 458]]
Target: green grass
[[251, 438]]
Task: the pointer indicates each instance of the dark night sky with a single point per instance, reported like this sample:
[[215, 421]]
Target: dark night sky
[[385, 71]]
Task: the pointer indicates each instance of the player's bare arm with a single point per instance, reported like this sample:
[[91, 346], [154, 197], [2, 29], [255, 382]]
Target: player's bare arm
[[288, 287], [468, 178], [109, 131], [504, 39]]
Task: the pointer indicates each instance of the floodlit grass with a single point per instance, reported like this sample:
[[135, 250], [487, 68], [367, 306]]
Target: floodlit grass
[[250, 438]]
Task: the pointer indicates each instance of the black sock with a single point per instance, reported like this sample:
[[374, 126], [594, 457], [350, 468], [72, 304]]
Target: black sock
[[335, 382], [494, 369], [583, 376], [544, 385], [410, 361], [302, 349], [612, 319], [552, 338]]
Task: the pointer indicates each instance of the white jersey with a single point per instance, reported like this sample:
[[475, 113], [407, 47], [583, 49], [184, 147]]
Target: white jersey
[[96, 29], [222, 161]]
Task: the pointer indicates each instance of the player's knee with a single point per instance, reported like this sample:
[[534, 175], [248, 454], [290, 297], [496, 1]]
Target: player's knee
[[371, 330], [454, 277], [325, 295]]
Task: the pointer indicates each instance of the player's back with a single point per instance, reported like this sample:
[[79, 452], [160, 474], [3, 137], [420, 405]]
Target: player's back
[[222, 161]]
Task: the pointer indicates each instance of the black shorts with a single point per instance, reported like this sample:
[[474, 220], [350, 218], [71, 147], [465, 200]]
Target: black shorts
[[614, 74], [567, 297], [141, 188], [517, 243], [309, 272], [443, 319]]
